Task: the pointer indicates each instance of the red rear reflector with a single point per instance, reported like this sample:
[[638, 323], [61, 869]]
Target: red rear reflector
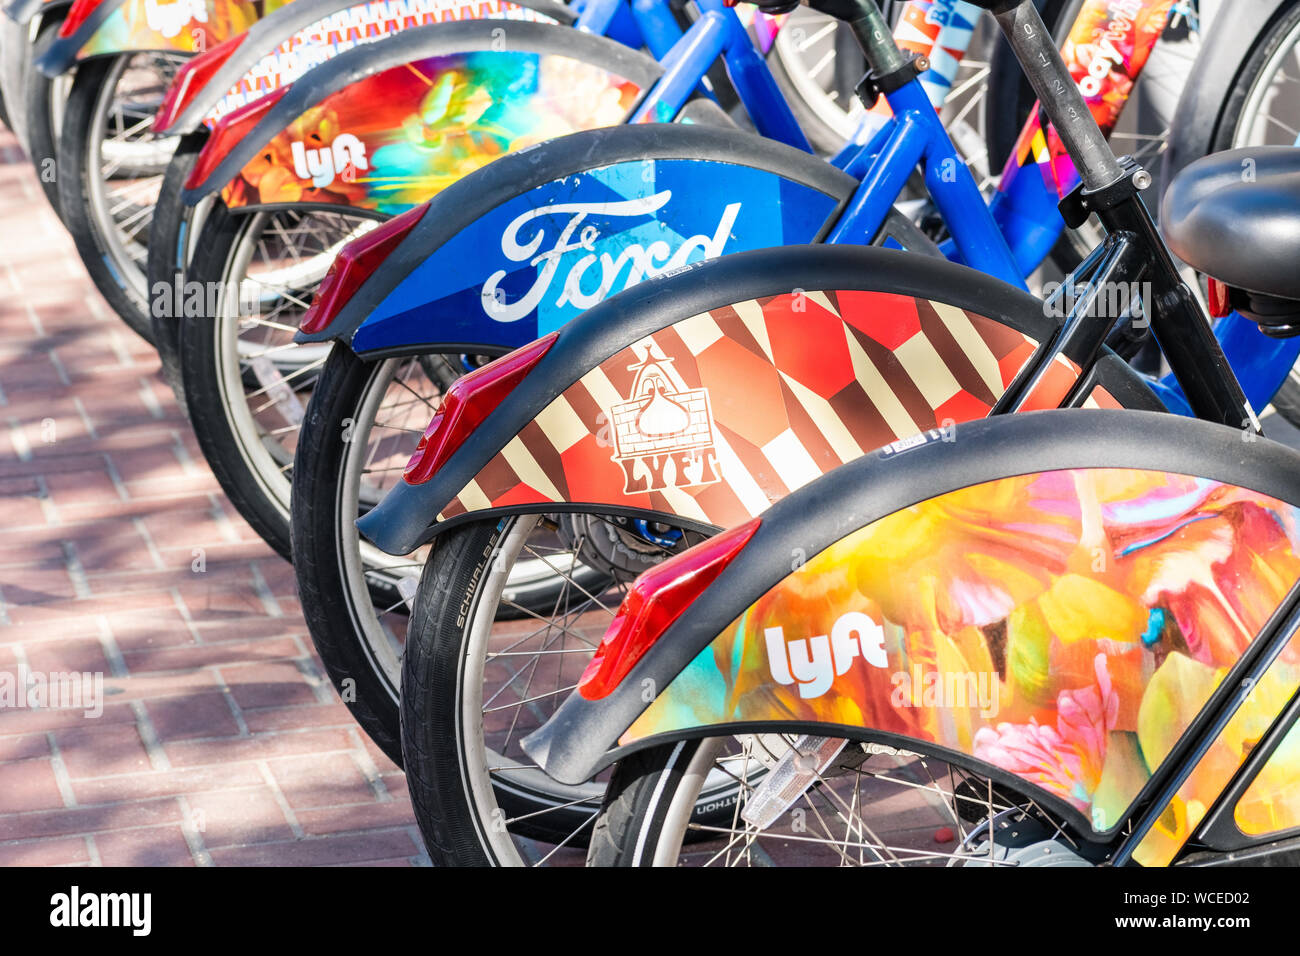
[[467, 403], [77, 15], [191, 78], [354, 264], [231, 128], [1219, 294], [656, 599]]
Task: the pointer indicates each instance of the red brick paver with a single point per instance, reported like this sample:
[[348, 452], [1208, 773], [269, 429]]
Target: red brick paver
[[220, 740]]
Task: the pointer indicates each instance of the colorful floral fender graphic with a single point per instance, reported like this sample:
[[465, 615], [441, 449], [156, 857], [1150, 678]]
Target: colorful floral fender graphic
[[719, 415], [1065, 627], [1106, 50], [1271, 803], [401, 136], [361, 24], [187, 26]]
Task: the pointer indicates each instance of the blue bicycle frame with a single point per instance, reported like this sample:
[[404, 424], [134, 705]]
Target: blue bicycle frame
[[1008, 240], [913, 135]]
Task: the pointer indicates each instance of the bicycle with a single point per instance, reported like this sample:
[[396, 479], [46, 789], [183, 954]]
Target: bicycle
[[447, 483], [1161, 732]]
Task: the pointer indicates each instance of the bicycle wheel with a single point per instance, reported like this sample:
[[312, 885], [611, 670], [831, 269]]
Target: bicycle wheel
[[870, 805], [472, 685], [1263, 109], [45, 99], [110, 169], [361, 427], [246, 383]]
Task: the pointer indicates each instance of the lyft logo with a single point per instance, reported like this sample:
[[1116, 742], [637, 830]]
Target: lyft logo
[[814, 663], [344, 156]]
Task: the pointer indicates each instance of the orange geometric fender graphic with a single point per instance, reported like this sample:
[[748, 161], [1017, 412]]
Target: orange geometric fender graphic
[[719, 415], [1065, 627]]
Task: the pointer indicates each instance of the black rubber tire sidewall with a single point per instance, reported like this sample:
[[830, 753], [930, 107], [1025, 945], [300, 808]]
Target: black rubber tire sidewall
[[74, 196], [628, 804], [172, 219], [315, 516], [41, 141], [431, 673], [199, 342]]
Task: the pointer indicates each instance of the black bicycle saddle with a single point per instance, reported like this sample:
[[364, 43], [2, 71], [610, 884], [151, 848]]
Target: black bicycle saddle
[[1235, 216]]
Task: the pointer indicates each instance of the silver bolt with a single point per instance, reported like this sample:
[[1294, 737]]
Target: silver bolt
[[1142, 179]]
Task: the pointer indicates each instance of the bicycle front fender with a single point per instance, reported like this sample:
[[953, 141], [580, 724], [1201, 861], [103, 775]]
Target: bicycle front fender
[[608, 205], [387, 125], [300, 36], [131, 26], [998, 600], [779, 365]]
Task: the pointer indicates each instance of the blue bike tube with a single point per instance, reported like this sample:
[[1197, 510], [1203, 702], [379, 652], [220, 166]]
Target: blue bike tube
[[917, 135], [754, 84], [597, 15], [904, 147], [684, 66], [657, 25]]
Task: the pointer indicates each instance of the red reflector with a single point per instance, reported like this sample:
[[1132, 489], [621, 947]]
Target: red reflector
[[354, 264], [77, 15], [1219, 293], [191, 78], [467, 403], [230, 129], [656, 599]]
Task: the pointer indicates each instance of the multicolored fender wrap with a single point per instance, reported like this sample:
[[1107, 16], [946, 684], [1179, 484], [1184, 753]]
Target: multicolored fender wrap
[[701, 410], [125, 26], [587, 216], [302, 36], [1058, 623], [417, 112]]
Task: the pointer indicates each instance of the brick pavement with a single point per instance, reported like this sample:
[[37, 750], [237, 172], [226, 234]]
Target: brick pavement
[[220, 741]]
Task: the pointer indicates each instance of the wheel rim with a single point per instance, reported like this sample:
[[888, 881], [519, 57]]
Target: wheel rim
[[485, 769], [401, 396], [513, 675], [1271, 113], [888, 808], [125, 162], [276, 263]]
